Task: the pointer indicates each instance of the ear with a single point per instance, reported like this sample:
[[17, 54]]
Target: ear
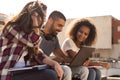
[[50, 20]]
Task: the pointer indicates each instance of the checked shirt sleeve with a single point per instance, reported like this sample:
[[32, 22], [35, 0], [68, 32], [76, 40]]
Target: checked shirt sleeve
[[15, 35]]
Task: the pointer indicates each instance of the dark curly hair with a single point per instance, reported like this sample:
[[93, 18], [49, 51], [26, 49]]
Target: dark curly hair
[[83, 22]]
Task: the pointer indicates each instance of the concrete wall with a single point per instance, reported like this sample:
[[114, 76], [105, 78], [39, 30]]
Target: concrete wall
[[104, 31], [110, 53]]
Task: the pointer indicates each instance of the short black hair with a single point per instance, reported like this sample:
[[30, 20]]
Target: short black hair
[[57, 14]]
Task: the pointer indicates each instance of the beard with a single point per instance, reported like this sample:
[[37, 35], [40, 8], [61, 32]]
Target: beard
[[52, 30]]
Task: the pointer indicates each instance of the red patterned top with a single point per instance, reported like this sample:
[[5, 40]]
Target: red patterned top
[[12, 44]]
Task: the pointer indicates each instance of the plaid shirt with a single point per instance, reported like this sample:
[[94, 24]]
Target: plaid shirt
[[12, 44]]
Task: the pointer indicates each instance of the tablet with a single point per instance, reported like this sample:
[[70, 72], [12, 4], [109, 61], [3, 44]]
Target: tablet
[[84, 53]]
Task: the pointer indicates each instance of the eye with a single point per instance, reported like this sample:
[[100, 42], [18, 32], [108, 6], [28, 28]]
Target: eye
[[86, 34], [80, 31]]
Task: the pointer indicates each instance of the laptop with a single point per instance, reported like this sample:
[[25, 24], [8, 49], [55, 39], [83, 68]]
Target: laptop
[[83, 54]]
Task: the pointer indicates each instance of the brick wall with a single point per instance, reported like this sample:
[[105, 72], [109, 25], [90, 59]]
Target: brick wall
[[116, 33]]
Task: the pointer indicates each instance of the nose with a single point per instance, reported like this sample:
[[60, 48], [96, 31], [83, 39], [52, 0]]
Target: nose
[[60, 29], [82, 34]]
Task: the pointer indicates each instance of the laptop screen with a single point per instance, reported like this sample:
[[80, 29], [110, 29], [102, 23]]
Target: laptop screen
[[83, 54]]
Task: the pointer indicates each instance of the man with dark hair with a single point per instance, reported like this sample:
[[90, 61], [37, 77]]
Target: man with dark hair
[[56, 14], [50, 43]]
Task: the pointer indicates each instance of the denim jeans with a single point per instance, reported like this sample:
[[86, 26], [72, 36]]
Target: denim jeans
[[82, 71], [46, 74], [94, 74], [67, 72]]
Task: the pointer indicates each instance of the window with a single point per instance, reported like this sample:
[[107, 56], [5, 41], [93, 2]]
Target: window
[[118, 41], [118, 28]]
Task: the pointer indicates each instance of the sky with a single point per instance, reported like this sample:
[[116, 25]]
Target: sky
[[70, 8]]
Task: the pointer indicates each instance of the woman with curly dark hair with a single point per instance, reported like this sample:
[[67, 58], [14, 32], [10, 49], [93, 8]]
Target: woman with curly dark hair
[[82, 33]]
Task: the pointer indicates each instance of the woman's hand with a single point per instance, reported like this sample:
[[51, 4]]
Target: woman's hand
[[105, 65], [87, 62], [36, 22], [99, 63], [34, 17], [37, 31]]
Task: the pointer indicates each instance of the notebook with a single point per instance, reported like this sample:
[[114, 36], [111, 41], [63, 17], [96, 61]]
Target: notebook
[[22, 72], [38, 67], [84, 53]]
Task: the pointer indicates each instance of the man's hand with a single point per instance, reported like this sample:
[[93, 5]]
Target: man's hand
[[59, 70], [55, 65]]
